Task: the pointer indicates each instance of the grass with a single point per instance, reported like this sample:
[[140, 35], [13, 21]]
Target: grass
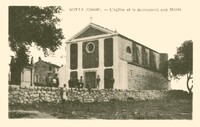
[[19, 115], [115, 109]]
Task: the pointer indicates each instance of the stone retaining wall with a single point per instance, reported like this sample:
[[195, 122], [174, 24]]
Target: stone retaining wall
[[37, 94], [144, 79]]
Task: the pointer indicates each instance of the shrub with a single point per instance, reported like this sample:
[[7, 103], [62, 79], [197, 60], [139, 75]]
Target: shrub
[[178, 94], [130, 99]]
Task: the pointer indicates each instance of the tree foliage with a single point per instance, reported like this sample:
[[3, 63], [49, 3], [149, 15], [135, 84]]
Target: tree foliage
[[33, 24], [182, 63]]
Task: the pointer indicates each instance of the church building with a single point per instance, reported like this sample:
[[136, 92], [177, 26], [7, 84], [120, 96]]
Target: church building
[[119, 62]]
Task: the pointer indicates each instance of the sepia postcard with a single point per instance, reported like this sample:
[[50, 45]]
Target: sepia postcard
[[100, 63]]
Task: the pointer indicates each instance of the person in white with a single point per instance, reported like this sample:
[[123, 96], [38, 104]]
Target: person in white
[[54, 82], [64, 91]]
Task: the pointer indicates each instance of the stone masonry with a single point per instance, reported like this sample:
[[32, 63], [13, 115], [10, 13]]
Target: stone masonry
[[29, 95], [153, 80]]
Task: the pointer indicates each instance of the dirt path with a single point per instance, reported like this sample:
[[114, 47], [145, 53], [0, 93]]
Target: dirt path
[[29, 114]]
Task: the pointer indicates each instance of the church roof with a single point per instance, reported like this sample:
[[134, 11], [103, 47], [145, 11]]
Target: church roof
[[103, 27], [92, 30], [96, 30], [49, 63]]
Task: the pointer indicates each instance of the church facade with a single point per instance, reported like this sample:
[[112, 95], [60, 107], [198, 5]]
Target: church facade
[[119, 62]]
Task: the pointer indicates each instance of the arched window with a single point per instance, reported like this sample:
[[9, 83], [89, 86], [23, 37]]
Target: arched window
[[128, 49], [137, 55], [152, 60], [146, 58]]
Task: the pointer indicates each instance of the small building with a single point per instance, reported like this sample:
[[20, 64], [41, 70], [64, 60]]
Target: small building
[[27, 76], [45, 72], [120, 62], [22, 77]]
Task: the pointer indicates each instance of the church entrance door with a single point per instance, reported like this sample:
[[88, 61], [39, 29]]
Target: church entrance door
[[90, 78]]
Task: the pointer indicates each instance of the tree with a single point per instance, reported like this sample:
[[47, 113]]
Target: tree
[[17, 64], [182, 63], [34, 25]]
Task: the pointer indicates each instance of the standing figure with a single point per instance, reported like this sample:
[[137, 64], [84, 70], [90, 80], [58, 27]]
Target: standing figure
[[112, 81], [77, 84], [50, 81], [64, 92], [57, 81], [89, 87], [98, 81], [81, 82], [70, 83], [54, 82]]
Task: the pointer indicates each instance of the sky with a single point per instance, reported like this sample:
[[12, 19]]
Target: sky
[[162, 31]]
